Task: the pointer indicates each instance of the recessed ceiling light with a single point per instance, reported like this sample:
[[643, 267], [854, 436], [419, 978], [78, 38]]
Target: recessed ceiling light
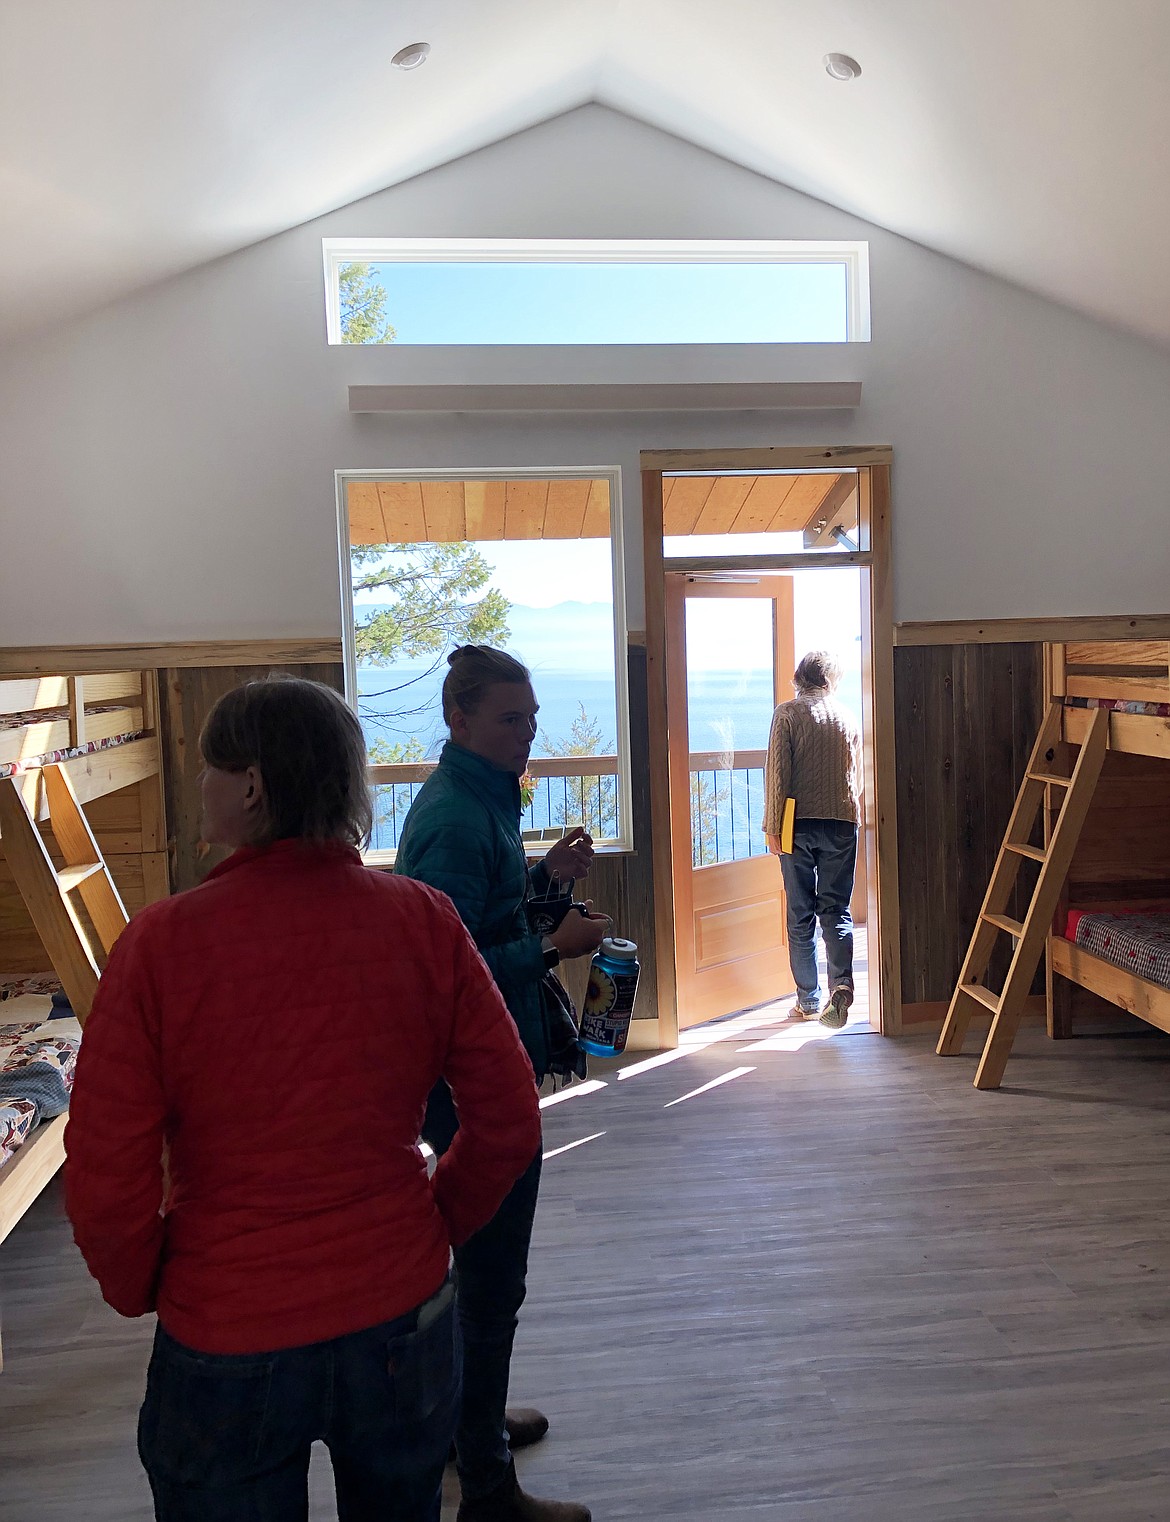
[[841, 66], [411, 56]]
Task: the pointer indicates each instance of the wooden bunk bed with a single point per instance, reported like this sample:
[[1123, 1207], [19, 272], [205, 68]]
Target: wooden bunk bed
[[1092, 825], [82, 845]]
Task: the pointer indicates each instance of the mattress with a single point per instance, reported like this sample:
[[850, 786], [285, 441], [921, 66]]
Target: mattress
[[1137, 940]]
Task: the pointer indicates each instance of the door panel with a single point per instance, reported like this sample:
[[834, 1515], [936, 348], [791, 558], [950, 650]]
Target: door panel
[[729, 661]]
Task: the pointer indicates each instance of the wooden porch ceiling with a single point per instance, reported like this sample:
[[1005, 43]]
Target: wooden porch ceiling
[[416, 512]]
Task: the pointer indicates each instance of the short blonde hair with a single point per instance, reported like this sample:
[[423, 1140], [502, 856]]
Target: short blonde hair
[[819, 670]]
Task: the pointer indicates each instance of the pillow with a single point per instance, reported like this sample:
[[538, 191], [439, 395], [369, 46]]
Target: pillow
[[17, 1118]]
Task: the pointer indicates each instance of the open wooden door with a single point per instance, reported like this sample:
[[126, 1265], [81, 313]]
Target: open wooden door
[[729, 660]]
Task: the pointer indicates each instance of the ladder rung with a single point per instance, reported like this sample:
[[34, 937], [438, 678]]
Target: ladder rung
[[982, 996], [1012, 927], [71, 878], [1054, 777], [1033, 852]]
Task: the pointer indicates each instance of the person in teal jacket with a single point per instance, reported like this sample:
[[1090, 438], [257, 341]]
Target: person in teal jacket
[[462, 836]]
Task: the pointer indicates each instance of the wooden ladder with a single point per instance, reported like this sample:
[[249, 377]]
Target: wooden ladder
[[1063, 827], [50, 895]]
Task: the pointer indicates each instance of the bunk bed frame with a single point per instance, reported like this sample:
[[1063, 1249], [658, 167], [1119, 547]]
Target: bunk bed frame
[[1093, 812], [82, 842]]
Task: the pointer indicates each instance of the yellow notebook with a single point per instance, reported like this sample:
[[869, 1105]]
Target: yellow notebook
[[787, 826]]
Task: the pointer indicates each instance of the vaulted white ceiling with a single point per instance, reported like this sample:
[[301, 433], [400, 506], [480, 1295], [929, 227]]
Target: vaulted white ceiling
[[1030, 138]]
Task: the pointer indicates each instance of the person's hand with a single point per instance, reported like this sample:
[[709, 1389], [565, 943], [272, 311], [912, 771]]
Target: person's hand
[[572, 856], [580, 934], [773, 843]]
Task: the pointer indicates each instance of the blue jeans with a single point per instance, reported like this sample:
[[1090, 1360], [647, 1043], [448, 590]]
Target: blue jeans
[[226, 1437], [491, 1269], [818, 883]]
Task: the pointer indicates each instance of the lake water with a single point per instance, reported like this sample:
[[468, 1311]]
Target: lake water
[[729, 710]]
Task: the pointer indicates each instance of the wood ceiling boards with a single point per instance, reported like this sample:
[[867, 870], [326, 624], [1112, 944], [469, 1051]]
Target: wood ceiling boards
[[769, 504], [418, 512], [445, 512]]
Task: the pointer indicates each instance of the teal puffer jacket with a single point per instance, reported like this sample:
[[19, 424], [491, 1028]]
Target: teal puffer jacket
[[462, 836]]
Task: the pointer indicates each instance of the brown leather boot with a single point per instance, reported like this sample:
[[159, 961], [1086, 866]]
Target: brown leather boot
[[524, 1426], [508, 1503]]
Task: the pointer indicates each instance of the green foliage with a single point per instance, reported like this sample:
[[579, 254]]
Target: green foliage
[[382, 753], [431, 607], [430, 591], [704, 819], [363, 307], [392, 799], [590, 801]]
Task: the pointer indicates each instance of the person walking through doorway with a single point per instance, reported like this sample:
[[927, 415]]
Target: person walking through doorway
[[814, 758]]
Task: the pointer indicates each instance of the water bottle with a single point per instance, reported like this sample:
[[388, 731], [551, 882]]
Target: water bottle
[[609, 998]]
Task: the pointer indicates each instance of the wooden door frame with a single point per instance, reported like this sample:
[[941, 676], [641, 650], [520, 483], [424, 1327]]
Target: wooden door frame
[[873, 464]]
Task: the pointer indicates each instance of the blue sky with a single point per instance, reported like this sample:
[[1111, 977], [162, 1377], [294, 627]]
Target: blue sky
[[617, 303]]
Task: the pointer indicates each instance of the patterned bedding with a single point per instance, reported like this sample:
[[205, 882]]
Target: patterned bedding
[[1121, 705], [30, 763], [20, 1047], [1137, 940]]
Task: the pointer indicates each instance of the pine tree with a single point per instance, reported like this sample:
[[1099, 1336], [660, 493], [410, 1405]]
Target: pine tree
[[589, 801], [363, 307]]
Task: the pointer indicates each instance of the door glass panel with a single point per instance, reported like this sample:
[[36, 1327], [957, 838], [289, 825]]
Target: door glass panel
[[730, 687]]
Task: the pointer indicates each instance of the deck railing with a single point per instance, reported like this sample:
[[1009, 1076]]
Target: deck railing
[[727, 800]]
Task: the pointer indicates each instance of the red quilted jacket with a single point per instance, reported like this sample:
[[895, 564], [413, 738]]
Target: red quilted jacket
[[279, 1028]]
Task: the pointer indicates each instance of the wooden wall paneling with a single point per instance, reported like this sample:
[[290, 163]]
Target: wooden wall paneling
[[941, 807], [914, 874], [971, 714], [186, 697], [1124, 846]]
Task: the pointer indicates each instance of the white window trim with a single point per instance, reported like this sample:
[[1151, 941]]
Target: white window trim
[[854, 255], [625, 841]]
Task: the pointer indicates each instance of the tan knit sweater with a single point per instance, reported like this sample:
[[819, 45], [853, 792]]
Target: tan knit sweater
[[814, 756]]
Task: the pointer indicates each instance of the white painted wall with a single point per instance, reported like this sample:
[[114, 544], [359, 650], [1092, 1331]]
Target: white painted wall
[[166, 467]]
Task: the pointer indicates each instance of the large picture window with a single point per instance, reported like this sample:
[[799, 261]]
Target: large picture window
[[530, 563]]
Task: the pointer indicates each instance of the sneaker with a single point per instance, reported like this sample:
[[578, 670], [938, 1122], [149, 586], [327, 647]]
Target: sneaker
[[802, 1011], [836, 1011]]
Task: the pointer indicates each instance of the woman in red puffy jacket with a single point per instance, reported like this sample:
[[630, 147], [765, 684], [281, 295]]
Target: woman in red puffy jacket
[[276, 1031]]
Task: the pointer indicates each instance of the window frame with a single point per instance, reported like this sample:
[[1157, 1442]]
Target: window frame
[[854, 254], [623, 844]]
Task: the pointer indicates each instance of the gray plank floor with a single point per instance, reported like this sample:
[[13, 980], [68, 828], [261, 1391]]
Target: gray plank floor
[[841, 1285]]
